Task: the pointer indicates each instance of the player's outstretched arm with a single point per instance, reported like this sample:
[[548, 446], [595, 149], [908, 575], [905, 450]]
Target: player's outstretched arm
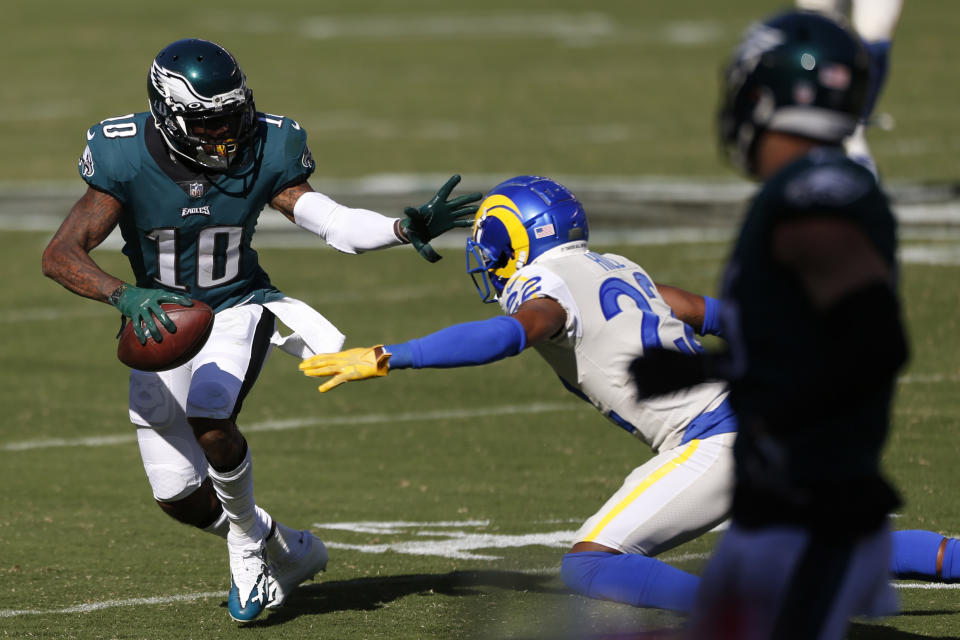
[[459, 345], [422, 224], [345, 229]]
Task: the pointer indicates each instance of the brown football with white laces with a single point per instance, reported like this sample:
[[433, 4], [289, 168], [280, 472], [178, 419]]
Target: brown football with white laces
[[193, 328]]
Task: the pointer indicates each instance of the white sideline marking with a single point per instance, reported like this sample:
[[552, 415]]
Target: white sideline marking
[[926, 585], [460, 545], [556, 25], [107, 604], [300, 423], [398, 526], [927, 379], [10, 316]]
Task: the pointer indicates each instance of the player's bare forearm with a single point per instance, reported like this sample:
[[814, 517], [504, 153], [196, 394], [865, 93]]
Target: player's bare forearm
[[286, 199], [67, 259], [687, 307]]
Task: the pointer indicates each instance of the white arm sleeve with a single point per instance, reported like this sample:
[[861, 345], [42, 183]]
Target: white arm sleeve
[[345, 229]]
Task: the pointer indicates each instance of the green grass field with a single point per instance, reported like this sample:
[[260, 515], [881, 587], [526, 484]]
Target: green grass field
[[447, 497], [495, 451], [551, 86]]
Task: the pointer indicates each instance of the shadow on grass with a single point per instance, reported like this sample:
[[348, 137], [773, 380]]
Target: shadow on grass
[[368, 594], [867, 631]]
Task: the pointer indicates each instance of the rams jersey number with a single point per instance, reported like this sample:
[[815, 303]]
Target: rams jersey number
[[614, 312]]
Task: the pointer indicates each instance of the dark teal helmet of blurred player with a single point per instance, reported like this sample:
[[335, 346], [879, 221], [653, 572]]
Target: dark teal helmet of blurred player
[[520, 219], [201, 104], [800, 73]]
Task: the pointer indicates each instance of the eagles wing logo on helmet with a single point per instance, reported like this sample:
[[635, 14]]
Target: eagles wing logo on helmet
[[760, 38], [181, 97], [201, 104]]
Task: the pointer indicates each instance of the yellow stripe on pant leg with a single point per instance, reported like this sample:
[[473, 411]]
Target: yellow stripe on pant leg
[[646, 484]]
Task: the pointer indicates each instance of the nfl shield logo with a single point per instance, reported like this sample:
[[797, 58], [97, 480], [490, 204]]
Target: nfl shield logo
[[196, 189]]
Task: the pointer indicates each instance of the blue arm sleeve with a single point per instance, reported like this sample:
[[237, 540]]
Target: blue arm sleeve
[[461, 345], [711, 317]]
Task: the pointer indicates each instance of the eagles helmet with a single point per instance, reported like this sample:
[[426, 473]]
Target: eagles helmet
[[201, 104], [520, 220], [800, 73]]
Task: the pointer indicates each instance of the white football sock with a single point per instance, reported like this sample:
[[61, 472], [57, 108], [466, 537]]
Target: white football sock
[[222, 524], [235, 490]]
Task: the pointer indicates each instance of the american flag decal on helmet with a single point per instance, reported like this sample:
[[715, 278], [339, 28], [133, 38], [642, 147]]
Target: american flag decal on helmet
[[544, 231]]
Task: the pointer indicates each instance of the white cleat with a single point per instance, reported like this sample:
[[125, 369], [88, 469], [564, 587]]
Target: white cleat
[[307, 556], [248, 581]]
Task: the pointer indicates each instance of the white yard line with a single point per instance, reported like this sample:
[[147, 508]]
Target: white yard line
[[314, 421]]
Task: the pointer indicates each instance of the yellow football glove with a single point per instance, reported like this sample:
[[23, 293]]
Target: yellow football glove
[[352, 364]]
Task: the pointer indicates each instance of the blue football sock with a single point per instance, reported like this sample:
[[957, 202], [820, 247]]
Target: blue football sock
[[632, 579], [916, 553]]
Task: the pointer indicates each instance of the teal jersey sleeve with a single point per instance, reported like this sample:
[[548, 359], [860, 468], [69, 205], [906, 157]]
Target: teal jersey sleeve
[[288, 159], [113, 155]]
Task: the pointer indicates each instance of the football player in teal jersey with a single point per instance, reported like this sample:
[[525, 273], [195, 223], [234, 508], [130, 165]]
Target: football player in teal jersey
[[186, 182], [811, 313]]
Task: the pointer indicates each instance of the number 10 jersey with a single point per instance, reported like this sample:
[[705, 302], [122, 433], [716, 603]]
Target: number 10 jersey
[[186, 231]]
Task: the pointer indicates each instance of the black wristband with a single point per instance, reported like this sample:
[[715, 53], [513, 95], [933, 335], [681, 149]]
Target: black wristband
[[114, 297], [398, 231]]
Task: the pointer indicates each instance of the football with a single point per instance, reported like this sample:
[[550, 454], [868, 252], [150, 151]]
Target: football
[[193, 328]]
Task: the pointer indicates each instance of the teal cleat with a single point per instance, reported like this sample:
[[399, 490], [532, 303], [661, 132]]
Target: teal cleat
[[248, 582]]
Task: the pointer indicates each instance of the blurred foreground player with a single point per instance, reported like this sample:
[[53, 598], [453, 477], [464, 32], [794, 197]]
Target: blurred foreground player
[[811, 314], [186, 183], [875, 22], [588, 314]]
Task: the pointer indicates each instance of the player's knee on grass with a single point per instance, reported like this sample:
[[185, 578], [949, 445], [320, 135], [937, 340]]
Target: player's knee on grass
[[629, 578]]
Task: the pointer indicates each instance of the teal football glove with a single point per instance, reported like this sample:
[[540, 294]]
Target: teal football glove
[[423, 224], [140, 305]]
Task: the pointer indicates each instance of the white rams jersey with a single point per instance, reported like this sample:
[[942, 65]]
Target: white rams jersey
[[614, 312]]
